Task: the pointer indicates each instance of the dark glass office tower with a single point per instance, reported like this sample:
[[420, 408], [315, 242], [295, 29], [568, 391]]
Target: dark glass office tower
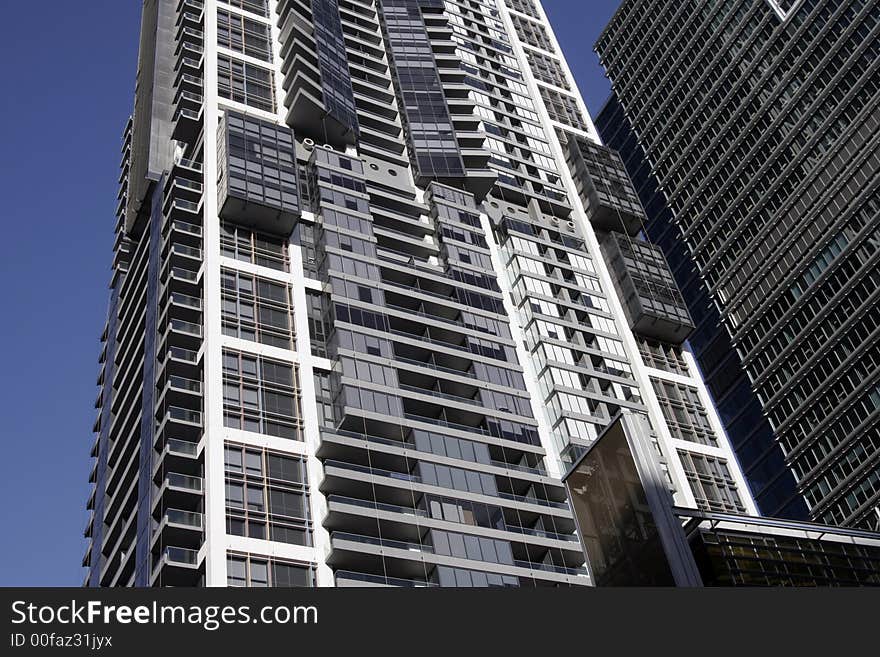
[[751, 129], [760, 455], [375, 285]]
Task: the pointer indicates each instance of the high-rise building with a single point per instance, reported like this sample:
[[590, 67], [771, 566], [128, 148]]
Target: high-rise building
[[754, 126], [375, 286], [760, 456]]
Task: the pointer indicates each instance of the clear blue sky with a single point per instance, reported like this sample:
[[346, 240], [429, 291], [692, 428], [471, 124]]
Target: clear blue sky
[[67, 91]]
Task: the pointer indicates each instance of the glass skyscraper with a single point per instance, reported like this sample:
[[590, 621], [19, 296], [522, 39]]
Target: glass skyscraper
[[751, 127], [376, 285]]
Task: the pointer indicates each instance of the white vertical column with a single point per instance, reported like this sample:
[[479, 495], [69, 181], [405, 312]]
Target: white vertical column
[[215, 489]]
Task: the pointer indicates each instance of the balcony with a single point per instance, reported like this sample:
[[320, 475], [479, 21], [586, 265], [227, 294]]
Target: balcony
[[396, 488], [184, 232], [407, 523], [193, 65], [182, 209], [177, 566], [431, 392], [182, 306], [191, 35], [183, 492], [347, 578], [397, 444], [405, 560], [182, 255], [360, 553], [178, 527], [189, 50], [189, 169], [187, 125], [180, 279], [190, 17], [177, 456], [182, 423], [184, 188], [391, 238], [177, 361], [180, 391], [189, 100]]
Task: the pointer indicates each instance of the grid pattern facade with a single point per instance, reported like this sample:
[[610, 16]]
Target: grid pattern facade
[[766, 151], [711, 482], [749, 432], [433, 148], [652, 300], [258, 175]]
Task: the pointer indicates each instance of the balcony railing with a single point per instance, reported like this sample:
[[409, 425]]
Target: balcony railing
[[439, 368], [542, 534], [443, 395], [404, 476], [182, 556], [382, 542], [183, 415], [185, 447], [190, 519], [407, 444], [549, 568], [187, 251], [181, 326], [379, 506], [186, 482], [193, 165], [445, 423], [187, 184], [184, 274], [186, 355], [186, 227], [180, 299], [374, 471], [185, 206], [387, 581], [533, 500]]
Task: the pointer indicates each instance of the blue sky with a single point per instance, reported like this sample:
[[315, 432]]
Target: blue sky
[[67, 95]]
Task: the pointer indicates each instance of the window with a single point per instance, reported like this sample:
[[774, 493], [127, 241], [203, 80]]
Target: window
[[524, 6], [477, 548], [324, 399], [261, 395], [711, 482], [245, 83], [244, 35], [685, 414], [259, 7], [257, 309], [258, 571], [256, 248], [563, 108], [662, 356], [257, 164], [547, 69], [531, 33], [459, 577], [319, 324], [267, 495]]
